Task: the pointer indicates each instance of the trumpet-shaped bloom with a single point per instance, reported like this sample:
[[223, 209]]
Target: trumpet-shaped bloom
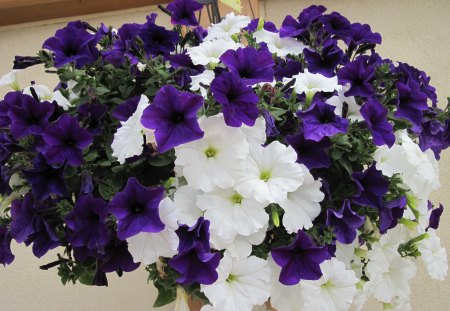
[[277, 45]]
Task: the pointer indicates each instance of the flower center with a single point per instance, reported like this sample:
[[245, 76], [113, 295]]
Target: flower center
[[265, 176], [231, 278], [236, 199], [137, 208], [210, 152]]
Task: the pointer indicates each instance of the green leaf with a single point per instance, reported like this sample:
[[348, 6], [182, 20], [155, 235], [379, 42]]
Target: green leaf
[[165, 296]]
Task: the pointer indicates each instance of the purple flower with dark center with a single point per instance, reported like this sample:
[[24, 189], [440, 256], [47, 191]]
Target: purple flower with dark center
[[45, 179], [360, 76], [137, 209], [362, 34], [92, 115], [390, 213], [73, 44], [320, 121], [173, 116], [6, 256], [435, 217], [157, 40], [300, 260], [253, 26], [286, 68], [183, 12], [300, 27], [336, 24], [375, 116], [411, 102], [313, 154], [117, 257], [125, 110], [194, 261], [31, 118], [344, 222], [251, 65], [87, 221], [65, 141], [371, 186], [239, 101], [326, 61], [127, 34]]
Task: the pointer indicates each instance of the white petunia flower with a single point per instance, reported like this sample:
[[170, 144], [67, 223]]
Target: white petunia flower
[[240, 246], [283, 297], [209, 52], [148, 247], [241, 285], [229, 26], [418, 169], [434, 256], [204, 78], [311, 83], [391, 280], [302, 206], [353, 110], [271, 172], [281, 46], [10, 79], [256, 134], [231, 214], [128, 140], [386, 249], [185, 199], [346, 252], [334, 291], [44, 93], [215, 160]]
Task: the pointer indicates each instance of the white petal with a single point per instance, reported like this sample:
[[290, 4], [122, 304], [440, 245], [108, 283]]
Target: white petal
[[185, 199]]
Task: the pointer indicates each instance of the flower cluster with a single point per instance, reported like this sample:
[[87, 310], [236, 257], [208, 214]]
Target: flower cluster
[[241, 164]]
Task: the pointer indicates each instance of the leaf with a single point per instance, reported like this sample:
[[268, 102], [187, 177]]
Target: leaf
[[165, 296]]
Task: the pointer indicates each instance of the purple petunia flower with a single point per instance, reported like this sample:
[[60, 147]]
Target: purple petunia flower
[[435, 217], [251, 65], [183, 12], [6, 256], [73, 44], [360, 75], [326, 61], [434, 135], [31, 117], [184, 67], [344, 222], [375, 116], [137, 209], [127, 34], [371, 186], [336, 24], [286, 68], [320, 121], [313, 154], [200, 34], [411, 102], [390, 213], [300, 260], [22, 216], [92, 115], [45, 179], [194, 261], [157, 40], [299, 27], [239, 101], [173, 116], [65, 141], [87, 221], [362, 34]]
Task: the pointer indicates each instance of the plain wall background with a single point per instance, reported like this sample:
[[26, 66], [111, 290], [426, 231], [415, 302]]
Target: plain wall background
[[413, 31]]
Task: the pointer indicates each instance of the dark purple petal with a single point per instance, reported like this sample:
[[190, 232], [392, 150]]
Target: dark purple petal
[[375, 116], [371, 186], [411, 102], [125, 110], [6, 256], [344, 222], [326, 61], [360, 74], [435, 217], [391, 212], [183, 12]]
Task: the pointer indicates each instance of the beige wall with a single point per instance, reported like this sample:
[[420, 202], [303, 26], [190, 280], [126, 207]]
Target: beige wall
[[416, 32]]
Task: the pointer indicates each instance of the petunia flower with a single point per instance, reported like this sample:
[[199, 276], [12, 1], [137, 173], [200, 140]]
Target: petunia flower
[[229, 26], [241, 284], [10, 79], [360, 75], [183, 12], [45, 179], [371, 186], [292, 27], [253, 66], [344, 222], [300, 260], [320, 121], [173, 116], [157, 39], [391, 212], [434, 256], [87, 221], [326, 61], [277, 45], [65, 141], [209, 52], [239, 101], [136, 208], [411, 102]]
